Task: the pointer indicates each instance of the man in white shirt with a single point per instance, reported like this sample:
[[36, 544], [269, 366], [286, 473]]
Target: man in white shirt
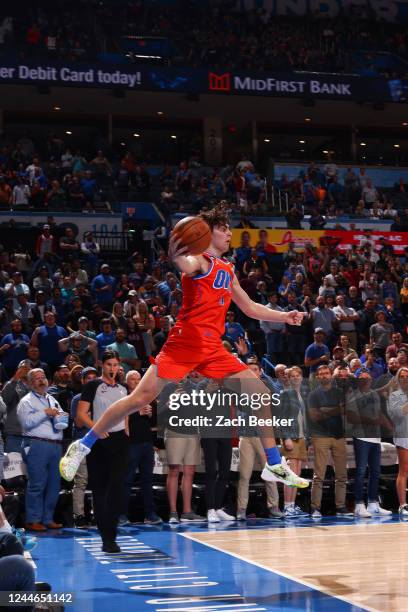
[[21, 193], [347, 318], [42, 448]]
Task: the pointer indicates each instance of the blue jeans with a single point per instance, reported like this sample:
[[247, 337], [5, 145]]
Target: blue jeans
[[141, 455], [367, 453], [43, 485], [13, 443], [16, 574]]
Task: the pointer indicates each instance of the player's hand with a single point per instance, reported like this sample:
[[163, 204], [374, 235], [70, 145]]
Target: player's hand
[[174, 247], [294, 317], [104, 435]]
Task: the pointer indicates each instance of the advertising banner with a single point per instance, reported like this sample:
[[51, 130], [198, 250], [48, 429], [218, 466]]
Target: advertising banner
[[141, 78], [279, 239]]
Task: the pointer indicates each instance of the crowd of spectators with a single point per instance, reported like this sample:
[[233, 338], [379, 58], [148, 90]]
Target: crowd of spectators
[[202, 34], [55, 177], [63, 310], [329, 192]]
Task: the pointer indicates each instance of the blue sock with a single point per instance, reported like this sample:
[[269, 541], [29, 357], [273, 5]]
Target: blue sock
[[272, 455], [89, 439]]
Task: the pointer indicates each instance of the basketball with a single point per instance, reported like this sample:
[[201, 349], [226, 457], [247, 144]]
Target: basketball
[[194, 233]]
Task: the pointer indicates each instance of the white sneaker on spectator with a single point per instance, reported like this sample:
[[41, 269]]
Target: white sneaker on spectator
[[290, 512], [403, 510], [223, 516], [361, 511], [375, 508], [212, 516]]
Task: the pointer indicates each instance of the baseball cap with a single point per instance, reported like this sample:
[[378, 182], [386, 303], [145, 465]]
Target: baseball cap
[[88, 370], [132, 292], [62, 366], [82, 319], [105, 265], [46, 226], [319, 330], [338, 348], [77, 366]]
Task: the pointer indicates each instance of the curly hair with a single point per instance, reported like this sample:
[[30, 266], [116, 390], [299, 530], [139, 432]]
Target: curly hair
[[217, 215]]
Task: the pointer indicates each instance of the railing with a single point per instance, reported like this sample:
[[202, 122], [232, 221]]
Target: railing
[[113, 241], [280, 199]]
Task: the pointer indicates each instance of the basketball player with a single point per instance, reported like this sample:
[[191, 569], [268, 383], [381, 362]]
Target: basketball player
[[194, 343]]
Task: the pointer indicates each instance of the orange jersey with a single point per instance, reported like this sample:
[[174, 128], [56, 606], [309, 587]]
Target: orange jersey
[[206, 300]]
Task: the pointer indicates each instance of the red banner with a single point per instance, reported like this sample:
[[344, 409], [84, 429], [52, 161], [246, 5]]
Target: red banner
[[344, 240]]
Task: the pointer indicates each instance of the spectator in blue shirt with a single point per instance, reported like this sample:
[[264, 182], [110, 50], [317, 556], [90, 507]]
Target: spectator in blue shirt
[[107, 336], [372, 366], [46, 338], [89, 187], [103, 287], [233, 330], [13, 348], [317, 353]]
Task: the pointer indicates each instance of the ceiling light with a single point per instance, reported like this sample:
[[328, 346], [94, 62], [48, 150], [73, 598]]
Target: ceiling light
[[57, 108], [160, 113], [302, 141], [136, 135], [123, 144], [363, 144], [68, 132], [302, 150], [405, 123], [396, 146], [267, 140], [325, 152], [173, 136], [307, 119]]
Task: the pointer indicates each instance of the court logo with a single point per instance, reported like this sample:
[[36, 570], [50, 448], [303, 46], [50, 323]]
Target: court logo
[[219, 82]]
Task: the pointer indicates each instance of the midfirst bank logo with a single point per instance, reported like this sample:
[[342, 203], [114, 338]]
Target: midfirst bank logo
[[219, 82], [226, 83]]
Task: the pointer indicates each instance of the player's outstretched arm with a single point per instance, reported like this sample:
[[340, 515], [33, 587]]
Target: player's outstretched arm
[[189, 264], [261, 312]]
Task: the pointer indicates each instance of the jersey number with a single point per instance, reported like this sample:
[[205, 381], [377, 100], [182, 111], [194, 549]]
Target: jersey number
[[222, 280]]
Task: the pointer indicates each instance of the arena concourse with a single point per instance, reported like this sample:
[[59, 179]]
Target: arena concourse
[[117, 120]]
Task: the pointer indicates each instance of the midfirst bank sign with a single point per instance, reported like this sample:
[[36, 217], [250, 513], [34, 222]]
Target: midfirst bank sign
[[311, 87]]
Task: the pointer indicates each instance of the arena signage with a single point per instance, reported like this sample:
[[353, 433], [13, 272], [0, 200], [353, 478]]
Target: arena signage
[[278, 240], [387, 10], [275, 84], [226, 83]]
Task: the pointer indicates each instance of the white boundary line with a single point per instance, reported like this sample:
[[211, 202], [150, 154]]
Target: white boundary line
[[274, 571]]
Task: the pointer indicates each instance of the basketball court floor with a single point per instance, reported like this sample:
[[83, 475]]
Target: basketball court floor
[[327, 565]]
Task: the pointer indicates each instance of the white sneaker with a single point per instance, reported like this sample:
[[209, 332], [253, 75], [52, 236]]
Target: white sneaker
[[241, 514], [212, 516], [361, 511], [223, 516], [72, 459], [375, 508], [281, 472], [403, 510]]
